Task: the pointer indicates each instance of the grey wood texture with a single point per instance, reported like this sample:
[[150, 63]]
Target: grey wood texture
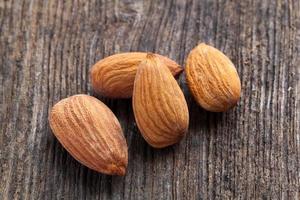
[[250, 152]]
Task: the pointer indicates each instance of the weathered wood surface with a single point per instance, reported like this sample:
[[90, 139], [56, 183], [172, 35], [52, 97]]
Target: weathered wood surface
[[251, 152]]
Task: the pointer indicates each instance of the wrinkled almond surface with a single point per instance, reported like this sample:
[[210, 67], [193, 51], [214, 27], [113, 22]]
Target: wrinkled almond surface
[[159, 105], [91, 133], [114, 76], [212, 78]]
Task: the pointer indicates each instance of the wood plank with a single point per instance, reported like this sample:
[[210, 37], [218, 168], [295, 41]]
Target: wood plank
[[249, 152]]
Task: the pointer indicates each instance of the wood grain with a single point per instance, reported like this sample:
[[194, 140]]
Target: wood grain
[[249, 152]]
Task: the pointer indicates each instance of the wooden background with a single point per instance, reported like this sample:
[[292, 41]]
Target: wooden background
[[250, 152]]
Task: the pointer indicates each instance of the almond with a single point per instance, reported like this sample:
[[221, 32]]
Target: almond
[[159, 105], [212, 78], [91, 133], [114, 76]]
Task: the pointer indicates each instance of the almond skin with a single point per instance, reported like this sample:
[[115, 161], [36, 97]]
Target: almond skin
[[91, 133], [159, 106], [212, 79], [114, 76]]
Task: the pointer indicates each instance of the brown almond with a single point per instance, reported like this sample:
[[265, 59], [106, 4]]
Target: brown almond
[[159, 105], [114, 76], [91, 133], [212, 78]]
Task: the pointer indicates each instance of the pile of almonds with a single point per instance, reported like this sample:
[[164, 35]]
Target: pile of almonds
[[92, 134]]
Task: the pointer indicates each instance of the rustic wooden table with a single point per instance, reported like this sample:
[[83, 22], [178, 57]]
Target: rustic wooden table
[[250, 152]]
